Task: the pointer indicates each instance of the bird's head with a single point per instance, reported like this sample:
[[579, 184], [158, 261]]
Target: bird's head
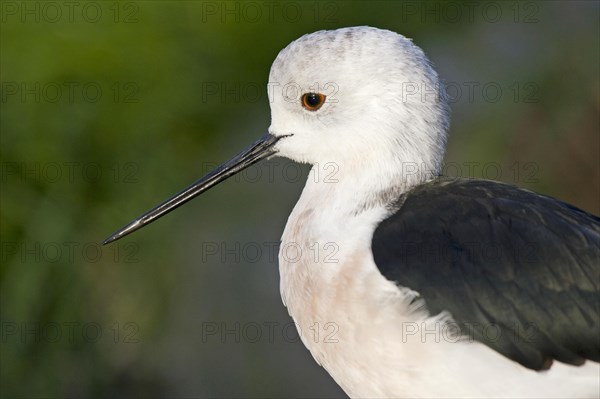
[[357, 95]]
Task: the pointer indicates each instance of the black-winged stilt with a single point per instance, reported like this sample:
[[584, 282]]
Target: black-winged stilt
[[441, 287]]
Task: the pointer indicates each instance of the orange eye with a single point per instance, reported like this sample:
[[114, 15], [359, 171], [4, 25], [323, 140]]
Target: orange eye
[[313, 101]]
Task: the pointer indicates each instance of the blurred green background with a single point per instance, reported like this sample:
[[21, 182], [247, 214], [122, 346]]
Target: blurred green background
[[110, 107]]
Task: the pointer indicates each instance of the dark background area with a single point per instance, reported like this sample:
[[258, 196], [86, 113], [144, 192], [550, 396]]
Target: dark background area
[[108, 108]]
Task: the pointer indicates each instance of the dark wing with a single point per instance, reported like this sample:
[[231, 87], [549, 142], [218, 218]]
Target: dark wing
[[518, 271]]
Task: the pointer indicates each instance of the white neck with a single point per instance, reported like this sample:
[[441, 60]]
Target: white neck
[[365, 182]]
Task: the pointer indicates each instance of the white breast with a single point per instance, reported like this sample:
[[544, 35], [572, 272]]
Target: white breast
[[369, 334]]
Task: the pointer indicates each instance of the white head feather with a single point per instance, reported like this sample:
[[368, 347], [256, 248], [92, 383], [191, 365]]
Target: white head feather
[[385, 113]]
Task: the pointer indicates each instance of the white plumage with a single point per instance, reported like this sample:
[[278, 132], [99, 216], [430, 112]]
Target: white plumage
[[376, 133]]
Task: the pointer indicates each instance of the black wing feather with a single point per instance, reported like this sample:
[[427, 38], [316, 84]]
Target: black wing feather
[[500, 259]]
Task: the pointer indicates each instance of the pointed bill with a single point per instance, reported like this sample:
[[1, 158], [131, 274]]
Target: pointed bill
[[261, 149]]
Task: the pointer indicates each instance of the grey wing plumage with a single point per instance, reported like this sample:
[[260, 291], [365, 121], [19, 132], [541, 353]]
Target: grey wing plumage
[[516, 270]]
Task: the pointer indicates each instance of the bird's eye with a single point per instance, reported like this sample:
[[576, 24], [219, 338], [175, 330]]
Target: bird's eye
[[313, 101]]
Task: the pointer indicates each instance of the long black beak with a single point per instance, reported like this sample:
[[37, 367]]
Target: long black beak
[[261, 149]]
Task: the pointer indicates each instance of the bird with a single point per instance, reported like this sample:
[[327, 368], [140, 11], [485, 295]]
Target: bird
[[430, 286]]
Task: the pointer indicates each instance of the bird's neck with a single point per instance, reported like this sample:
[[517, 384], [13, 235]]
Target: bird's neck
[[342, 204], [329, 281], [354, 187]]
